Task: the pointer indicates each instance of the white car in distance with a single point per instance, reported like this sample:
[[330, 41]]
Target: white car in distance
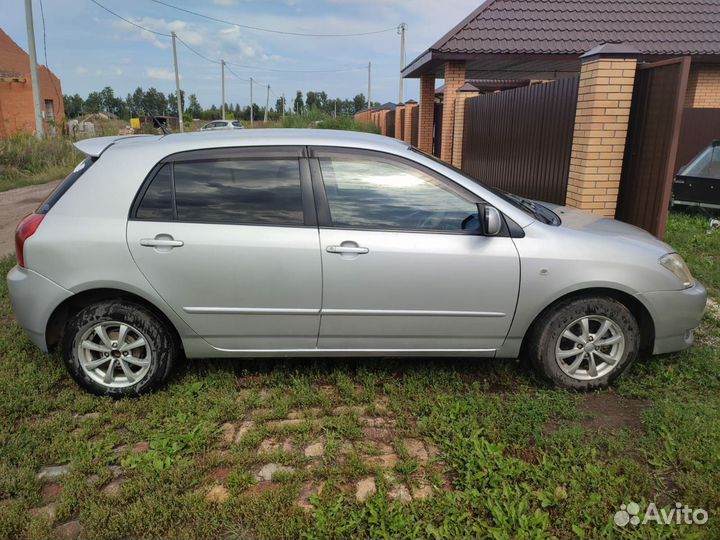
[[222, 124]]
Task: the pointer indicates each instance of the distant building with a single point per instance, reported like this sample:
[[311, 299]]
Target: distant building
[[16, 101]]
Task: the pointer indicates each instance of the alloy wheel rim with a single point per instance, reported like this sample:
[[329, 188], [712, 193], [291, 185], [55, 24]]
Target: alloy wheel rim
[[590, 347], [114, 354]]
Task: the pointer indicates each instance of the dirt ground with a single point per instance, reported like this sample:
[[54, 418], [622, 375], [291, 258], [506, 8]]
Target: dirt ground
[[15, 204]]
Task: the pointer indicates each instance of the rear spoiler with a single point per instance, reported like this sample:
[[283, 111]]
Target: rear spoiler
[[97, 145]]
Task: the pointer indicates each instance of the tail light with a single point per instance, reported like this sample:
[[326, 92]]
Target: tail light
[[25, 229]]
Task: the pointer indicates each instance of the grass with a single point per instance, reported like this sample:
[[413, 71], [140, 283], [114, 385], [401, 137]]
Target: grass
[[320, 120], [26, 161], [499, 453]]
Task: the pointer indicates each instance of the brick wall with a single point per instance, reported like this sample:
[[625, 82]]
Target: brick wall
[[399, 122], [601, 124], [459, 127], [426, 118], [454, 79], [17, 111], [703, 87], [407, 128]]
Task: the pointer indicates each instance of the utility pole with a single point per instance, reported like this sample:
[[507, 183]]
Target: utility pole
[[369, 94], [283, 106], [39, 127], [401, 31], [177, 85], [252, 115], [267, 103], [222, 72]]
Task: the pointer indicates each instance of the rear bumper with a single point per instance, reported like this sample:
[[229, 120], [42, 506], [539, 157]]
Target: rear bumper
[[675, 314], [34, 298]]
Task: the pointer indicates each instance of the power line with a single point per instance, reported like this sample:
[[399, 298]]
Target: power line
[[198, 53], [128, 20], [201, 55], [236, 75], [341, 70], [223, 21]]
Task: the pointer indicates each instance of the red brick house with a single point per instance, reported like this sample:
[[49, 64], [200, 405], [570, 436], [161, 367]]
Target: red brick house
[[16, 99]]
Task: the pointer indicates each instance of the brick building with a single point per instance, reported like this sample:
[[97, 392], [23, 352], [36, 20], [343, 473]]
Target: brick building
[[16, 99], [604, 43]]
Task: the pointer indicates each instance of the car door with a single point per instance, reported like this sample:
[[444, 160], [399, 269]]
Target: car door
[[229, 239], [405, 266]]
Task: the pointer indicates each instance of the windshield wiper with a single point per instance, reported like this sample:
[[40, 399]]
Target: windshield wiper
[[539, 211]]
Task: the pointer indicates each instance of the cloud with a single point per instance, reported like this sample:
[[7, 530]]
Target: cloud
[[225, 2], [81, 70], [161, 74]]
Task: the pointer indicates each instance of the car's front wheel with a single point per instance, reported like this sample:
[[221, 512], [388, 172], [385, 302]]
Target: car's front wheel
[[118, 348], [585, 343]]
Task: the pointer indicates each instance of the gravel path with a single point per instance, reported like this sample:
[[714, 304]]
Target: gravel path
[[14, 205]]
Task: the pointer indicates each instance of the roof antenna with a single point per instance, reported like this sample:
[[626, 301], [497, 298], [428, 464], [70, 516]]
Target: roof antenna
[[156, 121]]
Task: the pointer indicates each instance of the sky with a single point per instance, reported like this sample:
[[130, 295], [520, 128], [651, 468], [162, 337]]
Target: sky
[[88, 48]]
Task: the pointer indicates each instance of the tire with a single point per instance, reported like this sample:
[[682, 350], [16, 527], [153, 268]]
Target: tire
[[567, 342], [95, 344]]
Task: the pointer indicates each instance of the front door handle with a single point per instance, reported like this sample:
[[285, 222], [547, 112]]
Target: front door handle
[[353, 250], [161, 242]]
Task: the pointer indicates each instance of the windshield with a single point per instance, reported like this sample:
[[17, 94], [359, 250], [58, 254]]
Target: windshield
[[706, 164], [532, 208]]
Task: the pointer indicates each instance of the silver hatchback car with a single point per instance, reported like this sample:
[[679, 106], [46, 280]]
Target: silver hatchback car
[[324, 243]]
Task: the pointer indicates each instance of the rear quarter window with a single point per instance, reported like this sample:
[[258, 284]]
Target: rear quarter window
[[156, 203]]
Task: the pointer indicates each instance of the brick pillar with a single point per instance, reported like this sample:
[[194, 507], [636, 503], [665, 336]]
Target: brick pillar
[[426, 117], [454, 79], [459, 127], [407, 128], [399, 122], [607, 77]]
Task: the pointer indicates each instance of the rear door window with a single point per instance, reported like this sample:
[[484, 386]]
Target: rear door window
[[242, 191]]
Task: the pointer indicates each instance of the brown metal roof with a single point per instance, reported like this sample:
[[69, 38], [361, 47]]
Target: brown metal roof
[[662, 27], [482, 85], [544, 38]]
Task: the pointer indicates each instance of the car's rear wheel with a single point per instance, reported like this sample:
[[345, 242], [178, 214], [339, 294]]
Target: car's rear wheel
[[585, 343], [119, 349]]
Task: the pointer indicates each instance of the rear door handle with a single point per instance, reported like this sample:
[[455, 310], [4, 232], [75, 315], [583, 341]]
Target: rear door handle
[[347, 249], [161, 242]]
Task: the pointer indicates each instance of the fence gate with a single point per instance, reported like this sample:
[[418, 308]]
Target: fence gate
[[652, 143], [520, 140]]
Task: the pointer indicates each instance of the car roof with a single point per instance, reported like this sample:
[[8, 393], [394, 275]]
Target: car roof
[[198, 140]]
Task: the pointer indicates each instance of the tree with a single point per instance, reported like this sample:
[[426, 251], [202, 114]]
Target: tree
[[134, 102], [298, 103], [154, 102], [359, 103], [316, 100], [93, 103], [194, 109], [172, 103], [279, 105], [112, 104], [73, 105]]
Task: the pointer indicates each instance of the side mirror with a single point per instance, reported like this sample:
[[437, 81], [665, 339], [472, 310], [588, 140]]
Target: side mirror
[[492, 221]]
